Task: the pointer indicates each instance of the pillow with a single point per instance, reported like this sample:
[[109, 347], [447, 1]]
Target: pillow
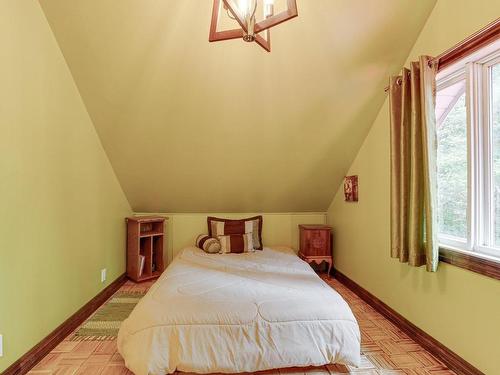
[[208, 244], [221, 227], [236, 243]]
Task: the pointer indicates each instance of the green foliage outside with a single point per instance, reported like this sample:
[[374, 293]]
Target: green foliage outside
[[452, 172]]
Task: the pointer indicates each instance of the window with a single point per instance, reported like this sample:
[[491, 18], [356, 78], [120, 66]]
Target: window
[[468, 155], [451, 115], [495, 131]]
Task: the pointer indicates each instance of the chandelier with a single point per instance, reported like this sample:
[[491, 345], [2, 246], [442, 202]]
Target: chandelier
[[245, 13]]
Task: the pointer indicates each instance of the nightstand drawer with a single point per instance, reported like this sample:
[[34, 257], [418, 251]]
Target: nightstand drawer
[[318, 243], [315, 240]]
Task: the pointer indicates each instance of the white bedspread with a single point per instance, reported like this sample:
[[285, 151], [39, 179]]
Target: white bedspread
[[238, 313]]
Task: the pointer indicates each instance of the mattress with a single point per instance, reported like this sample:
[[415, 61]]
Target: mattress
[[232, 313]]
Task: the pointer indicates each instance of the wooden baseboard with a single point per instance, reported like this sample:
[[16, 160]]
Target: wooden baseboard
[[445, 355], [40, 350]]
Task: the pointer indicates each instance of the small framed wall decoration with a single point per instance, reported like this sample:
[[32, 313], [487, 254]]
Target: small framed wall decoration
[[351, 188]]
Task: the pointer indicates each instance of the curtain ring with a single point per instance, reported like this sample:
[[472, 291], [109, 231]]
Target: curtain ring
[[434, 61]]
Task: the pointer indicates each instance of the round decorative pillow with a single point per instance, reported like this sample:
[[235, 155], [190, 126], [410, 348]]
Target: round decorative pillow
[[208, 244]]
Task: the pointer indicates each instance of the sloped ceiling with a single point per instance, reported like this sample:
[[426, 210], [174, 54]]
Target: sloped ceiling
[[192, 126]]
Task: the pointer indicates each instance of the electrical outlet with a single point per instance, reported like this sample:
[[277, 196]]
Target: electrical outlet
[[103, 275], [1, 345]]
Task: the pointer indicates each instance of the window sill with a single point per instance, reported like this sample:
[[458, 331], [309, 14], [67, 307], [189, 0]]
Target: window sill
[[470, 261]]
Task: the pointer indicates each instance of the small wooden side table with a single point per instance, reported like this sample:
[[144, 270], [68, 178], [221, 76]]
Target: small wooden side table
[[145, 236], [316, 244]]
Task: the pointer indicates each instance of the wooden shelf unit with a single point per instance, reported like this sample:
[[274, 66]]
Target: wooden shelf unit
[[145, 236]]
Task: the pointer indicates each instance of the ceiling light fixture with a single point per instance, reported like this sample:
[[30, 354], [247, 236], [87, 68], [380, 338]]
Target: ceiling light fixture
[[245, 13]]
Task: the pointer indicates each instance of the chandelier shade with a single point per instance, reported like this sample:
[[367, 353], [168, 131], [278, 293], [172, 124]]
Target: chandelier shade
[[244, 12]]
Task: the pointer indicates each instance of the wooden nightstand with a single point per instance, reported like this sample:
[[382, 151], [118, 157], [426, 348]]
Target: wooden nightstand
[[316, 244], [145, 236]]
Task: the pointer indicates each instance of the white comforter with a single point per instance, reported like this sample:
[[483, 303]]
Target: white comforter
[[238, 313]]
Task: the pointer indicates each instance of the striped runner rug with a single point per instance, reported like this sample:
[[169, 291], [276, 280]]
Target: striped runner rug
[[105, 322]]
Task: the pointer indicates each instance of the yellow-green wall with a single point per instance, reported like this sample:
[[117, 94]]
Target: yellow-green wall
[[279, 229], [61, 205], [459, 308]]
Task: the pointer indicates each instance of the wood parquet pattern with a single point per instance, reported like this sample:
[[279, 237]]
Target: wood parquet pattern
[[385, 349]]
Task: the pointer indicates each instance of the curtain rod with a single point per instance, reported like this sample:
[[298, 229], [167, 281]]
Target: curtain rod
[[479, 39]]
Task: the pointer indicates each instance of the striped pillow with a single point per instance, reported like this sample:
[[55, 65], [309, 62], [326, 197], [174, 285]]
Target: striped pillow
[[208, 244], [236, 243], [222, 227]]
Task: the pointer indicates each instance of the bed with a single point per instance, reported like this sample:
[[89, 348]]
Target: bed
[[232, 313]]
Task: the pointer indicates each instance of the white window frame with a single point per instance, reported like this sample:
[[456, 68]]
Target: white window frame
[[480, 209]]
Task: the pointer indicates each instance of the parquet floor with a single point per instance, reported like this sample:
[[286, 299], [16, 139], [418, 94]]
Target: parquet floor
[[385, 349]]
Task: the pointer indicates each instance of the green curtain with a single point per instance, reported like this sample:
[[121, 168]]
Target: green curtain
[[412, 97]]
